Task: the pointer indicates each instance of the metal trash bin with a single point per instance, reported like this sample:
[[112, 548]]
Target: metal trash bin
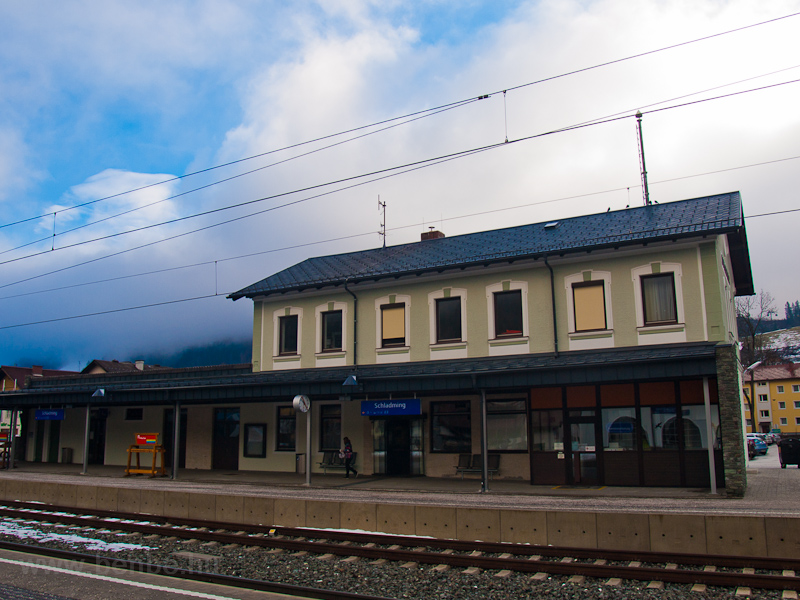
[[66, 456], [789, 452], [300, 467]]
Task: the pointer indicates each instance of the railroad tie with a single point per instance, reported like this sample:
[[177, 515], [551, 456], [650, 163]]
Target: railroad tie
[[504, 574], [614, 582], [699, 587], [743, 591], [655, 585], [409, 565], [326, 557], [748, 571], [600, 561], [635, 563], [710, 569], [274, 550], [471, 571], [577, 579], [441, 568], [789, 595], [379, 562], [351, 559], [300, 553], [539, 576]]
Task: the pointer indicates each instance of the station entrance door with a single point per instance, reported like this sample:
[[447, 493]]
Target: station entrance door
[[397, 446]]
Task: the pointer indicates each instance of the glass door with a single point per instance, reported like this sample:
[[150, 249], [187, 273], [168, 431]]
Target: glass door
[[583, 445]]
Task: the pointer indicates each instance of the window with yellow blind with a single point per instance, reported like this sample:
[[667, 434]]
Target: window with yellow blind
[[393, 325], [590, 306]]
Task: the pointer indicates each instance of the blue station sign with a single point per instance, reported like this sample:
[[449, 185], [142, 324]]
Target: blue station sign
[[389, 408], [54, 414]]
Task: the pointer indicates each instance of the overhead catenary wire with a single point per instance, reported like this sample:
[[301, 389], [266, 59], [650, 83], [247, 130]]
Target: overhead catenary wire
[[218, 295], [407, 167], [436, 108], [399, 228]]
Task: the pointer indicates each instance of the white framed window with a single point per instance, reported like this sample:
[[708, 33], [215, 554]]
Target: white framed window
[[658, 301], [763, 398], [393, 328], [447, 313], [764, 413], [331, 334], [797, 404], [780, 389], [797, 420], [796, 388], [784, 421], [507, 310], [590, 321], [287, 326], [782, 405]]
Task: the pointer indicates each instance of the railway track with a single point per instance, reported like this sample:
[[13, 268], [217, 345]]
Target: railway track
[[609, 566]]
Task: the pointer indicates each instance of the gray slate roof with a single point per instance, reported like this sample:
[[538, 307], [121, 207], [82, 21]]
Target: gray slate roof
[[687, 218]]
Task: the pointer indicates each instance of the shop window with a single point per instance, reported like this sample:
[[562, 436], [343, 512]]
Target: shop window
[[134, 414], [451, 427], [589, 305], [658, 299], [508, 314], [448, 320], [505, 423], [285, 441], [255, 440], [619, 429], [393, 325], [332, 331], [330, 427], [547, 430], [287, 343], [780, 389]]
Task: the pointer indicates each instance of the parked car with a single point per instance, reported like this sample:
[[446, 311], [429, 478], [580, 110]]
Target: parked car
[[772, 438], [758, 440]]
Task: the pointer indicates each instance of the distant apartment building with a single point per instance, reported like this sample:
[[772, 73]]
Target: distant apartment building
[[776, 390]]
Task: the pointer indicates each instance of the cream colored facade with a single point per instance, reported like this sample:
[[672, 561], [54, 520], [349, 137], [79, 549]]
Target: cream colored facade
[[704, 297]]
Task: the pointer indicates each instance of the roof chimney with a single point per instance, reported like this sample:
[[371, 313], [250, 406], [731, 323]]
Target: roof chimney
[[431, 235], [36, 370], [140, 365]]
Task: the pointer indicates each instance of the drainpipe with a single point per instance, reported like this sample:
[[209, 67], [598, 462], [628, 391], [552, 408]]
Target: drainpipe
[[553, 300], [355, 324]]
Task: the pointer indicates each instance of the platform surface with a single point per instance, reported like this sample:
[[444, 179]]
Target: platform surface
[[771, 491]]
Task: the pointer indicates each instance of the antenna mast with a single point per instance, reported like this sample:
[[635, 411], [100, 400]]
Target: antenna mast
[[645, 189], [382, 210]]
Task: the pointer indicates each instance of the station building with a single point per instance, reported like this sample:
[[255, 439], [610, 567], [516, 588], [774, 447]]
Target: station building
[[596, 350]]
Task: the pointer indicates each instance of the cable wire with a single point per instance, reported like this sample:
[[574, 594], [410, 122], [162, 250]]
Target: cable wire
[[437, 108]]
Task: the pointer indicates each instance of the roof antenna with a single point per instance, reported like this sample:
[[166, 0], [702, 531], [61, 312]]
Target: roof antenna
[[382, 210], [645, 189]]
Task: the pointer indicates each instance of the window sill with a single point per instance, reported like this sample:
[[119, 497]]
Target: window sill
[[509, 341], [286, 358], [647, 329], [448, 346], [330, 354], [393, 350], [595, 334]]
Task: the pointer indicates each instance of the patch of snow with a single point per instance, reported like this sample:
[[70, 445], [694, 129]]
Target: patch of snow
[[30, 533]]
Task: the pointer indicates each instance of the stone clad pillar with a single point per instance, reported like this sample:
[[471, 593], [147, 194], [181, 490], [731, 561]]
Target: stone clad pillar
[[731, 420]]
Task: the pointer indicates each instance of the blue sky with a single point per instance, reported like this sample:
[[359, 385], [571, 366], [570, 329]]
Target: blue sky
[[100, 98]]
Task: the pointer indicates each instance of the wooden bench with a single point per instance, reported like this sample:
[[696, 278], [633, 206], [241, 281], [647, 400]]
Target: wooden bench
[[332, 460], [473, 464]]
